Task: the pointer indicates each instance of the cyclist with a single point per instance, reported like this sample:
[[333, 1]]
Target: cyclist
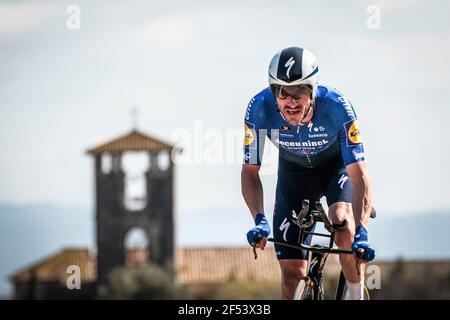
[[316, 131]]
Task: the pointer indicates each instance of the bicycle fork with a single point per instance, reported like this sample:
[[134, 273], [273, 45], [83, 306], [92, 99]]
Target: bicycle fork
[[315, 272]]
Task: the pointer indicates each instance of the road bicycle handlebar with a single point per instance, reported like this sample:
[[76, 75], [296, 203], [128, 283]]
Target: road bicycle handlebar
[[303, 222]]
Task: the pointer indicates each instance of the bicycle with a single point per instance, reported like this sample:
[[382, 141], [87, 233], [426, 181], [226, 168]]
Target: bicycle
[[311, 286]]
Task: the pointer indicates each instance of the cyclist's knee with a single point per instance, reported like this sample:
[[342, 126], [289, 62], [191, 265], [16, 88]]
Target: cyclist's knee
[[344, 238], [290, 278], [293, 270], [339, 212]]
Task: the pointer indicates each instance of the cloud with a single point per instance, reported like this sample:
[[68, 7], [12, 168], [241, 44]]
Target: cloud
[[22, 17], [395, 6], [182, 29], [170, 30]]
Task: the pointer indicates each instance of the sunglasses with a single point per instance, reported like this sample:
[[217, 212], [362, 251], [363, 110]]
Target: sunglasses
[[300, 91]]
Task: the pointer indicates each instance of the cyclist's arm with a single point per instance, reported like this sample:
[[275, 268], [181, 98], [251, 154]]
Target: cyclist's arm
[[252, 188], [361, 193], [353, 156]]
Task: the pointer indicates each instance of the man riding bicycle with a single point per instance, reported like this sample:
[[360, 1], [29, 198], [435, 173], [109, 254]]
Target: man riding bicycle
[[320, 154]]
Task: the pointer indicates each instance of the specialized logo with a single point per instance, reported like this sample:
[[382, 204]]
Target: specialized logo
[[313, 263], [353, 133], [289, 65], [249, 136], [342, 181], [284, 227]]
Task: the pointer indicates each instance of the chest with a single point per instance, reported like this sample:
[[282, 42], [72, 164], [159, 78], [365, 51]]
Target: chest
[[311, 138]]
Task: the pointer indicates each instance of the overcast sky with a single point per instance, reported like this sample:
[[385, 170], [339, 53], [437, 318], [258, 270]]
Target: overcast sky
[[196, 64]]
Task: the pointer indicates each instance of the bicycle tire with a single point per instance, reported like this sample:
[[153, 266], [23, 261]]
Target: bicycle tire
[[305, 290]]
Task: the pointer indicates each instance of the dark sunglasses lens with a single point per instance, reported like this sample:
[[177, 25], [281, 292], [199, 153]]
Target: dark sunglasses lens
[[282, 94], [301, 91]]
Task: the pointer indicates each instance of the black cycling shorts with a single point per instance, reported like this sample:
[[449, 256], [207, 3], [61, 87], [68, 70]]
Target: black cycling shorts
[[296, 183]]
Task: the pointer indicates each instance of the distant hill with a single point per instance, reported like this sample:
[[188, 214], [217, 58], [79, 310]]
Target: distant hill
[[419, 236], [32, 232]]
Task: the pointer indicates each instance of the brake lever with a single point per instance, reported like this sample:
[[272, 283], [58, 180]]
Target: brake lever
[[256, 240], [360, 251], [294, 218], [298, 218], [325, 219], [308, 223]]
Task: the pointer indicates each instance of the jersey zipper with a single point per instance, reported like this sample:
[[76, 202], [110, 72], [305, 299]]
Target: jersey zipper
[[301, 145]]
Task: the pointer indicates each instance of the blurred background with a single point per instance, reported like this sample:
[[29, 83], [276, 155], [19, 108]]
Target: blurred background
[[77, 74]]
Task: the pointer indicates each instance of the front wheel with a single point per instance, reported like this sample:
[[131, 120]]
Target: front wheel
[[305, 289]]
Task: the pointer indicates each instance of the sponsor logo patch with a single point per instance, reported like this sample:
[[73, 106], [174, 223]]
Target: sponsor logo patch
[[347, 106], [353, 133], [249, 136], [285, 128], [302, 144], [358, 155], [249, 107]]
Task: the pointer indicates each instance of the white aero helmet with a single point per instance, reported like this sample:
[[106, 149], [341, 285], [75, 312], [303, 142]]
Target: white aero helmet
[[293, 66]]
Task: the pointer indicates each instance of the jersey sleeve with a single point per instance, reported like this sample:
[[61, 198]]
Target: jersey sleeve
[[254, 131], [352, 148]]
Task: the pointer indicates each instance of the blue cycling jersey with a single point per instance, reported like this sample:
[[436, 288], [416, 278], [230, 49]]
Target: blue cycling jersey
[[333, 131]]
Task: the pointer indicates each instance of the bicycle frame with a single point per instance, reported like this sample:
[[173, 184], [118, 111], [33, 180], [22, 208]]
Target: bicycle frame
[[318, 258], [303, 223], [319, 253]]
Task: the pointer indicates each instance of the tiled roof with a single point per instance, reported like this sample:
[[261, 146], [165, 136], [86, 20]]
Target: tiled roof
[[216, 265], [133, 141], [194, 265], [55, 267], [200, 265]]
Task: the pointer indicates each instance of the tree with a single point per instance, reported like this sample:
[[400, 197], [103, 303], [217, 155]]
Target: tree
[[142, 282]]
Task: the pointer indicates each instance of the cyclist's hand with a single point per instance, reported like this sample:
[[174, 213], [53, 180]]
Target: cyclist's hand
[[261, 228], [361, 246]]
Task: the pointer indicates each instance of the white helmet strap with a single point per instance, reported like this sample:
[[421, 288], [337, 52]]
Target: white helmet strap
[[305, 114]]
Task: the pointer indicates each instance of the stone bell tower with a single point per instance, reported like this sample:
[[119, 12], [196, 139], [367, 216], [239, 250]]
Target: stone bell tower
[[114, 219]]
